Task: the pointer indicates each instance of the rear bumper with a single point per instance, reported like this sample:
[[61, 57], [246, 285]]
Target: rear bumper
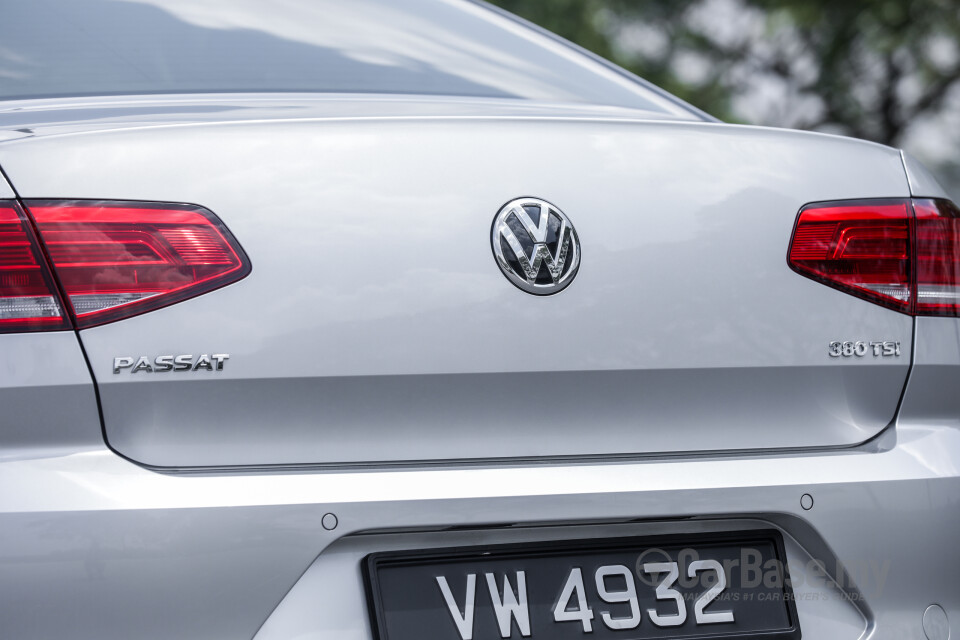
[[96, 547]]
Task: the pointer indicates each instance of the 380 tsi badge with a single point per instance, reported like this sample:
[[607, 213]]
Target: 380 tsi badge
[[861, 348]]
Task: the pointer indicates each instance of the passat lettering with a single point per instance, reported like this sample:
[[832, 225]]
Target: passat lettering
[[164, 363]]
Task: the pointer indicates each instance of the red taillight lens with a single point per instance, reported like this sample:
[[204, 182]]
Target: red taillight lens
[[116, 260], [28, 297], [938, 257], [863, 249], [884, 252]]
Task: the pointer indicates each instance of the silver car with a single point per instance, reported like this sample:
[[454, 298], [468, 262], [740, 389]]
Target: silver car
[[405, 320]]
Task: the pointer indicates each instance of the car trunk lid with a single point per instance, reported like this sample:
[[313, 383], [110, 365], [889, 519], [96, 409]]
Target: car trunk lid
[[377, 328]]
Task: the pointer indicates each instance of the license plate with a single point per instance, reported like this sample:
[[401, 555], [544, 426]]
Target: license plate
[[718, 586]]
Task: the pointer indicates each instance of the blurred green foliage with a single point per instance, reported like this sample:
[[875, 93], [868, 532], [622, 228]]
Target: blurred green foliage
[[866, 68]]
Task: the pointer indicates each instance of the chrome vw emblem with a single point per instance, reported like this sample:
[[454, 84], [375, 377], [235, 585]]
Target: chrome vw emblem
[[535, 245]]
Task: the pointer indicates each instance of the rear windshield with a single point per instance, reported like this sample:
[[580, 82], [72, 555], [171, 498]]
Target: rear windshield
[[53, 48]]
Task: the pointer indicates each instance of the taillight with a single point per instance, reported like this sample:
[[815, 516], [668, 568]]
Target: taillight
[[28, 296], [902, 254], [114, 260], [937, 258]]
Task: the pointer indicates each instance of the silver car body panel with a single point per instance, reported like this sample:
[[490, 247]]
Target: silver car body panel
[[929, 398], [681, 384], [6, 191], [405, 358], [98, 547], [922, 183], [21, 119], [47, 398]]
